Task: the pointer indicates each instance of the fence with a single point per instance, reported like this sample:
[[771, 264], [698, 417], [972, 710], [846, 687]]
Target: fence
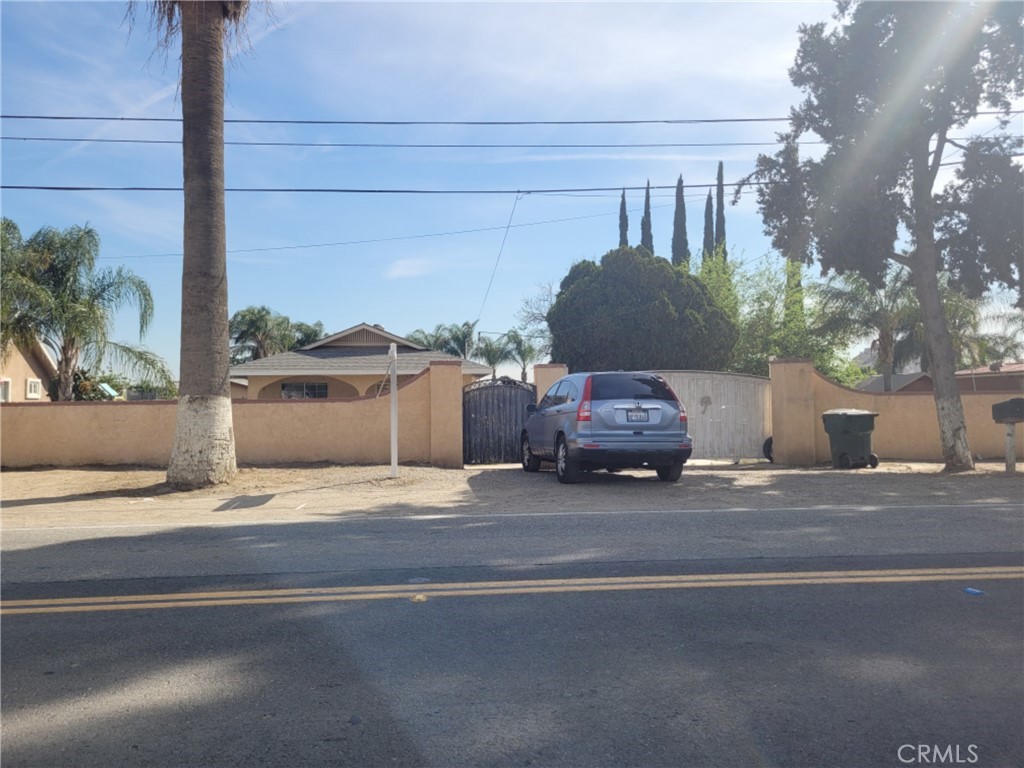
[[345, 431]]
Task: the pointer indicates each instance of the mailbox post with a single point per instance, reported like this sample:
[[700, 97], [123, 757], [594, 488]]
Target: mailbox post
[[1010, 413]]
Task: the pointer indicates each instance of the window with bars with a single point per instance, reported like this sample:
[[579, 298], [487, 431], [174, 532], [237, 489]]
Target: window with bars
[[303, 391]]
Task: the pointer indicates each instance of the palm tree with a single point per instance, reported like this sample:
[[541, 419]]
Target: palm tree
[[850, 306], [436, 339], [259, 332], [54, 294], [523, 352], [304, 334], [493, 352], [460, 339], [19, 289], [204, 443], [972, 346]]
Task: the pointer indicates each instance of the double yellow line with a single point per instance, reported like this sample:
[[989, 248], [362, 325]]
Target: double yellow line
[[424, 592]]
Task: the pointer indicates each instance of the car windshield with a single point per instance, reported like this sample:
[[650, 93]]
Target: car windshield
[[630, 386]]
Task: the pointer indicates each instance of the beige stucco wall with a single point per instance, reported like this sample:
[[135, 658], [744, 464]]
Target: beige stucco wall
[[266, 432], [546, 374], [906, 426]]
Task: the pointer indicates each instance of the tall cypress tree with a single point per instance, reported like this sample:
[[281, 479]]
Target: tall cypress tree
[[646, 238], [680, 242], [720, 214], [709, 226], [623, 223]]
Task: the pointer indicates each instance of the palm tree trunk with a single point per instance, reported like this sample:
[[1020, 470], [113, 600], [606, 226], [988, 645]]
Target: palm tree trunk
[[204, 443], [949, 408], [66, 373]]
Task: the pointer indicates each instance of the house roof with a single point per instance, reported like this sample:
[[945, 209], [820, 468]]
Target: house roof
[[899, 381], [363, 334], [360, 350], [995, 369]]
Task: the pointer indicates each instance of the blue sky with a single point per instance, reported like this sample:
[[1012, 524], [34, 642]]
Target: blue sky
[[346, 259]]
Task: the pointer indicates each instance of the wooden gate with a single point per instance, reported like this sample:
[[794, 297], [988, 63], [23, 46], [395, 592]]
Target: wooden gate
[[730, 414], [493, 414]]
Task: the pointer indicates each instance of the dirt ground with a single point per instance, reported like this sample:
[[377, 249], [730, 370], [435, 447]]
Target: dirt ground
[[127, 495]]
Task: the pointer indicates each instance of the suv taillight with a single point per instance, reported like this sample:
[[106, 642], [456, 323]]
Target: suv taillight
[[583, 411], [682, 410]]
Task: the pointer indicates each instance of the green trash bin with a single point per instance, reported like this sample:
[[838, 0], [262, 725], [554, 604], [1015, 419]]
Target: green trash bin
[[849, 433]]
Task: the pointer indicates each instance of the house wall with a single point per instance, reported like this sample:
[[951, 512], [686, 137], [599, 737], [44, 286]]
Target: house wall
[[266, 432], [269, 387], [546, 374], [21, 366], [906, 426]]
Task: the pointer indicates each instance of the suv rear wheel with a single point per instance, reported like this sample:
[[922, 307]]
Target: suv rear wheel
[[566, 470], [671, 473]]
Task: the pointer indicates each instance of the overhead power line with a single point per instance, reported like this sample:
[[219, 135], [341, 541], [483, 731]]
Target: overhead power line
[[381, 191], [264, 121], [375, 145], [371, 191]]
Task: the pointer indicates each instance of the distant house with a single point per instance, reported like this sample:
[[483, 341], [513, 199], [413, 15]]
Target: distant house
[[26, 373], [351, 363], [991, 378], [998, 377], [901, 382]]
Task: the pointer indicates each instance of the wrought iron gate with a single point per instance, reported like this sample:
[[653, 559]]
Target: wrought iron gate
[[493, 414]]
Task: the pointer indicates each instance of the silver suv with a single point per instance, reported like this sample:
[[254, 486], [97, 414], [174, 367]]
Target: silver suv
[[610, 421]]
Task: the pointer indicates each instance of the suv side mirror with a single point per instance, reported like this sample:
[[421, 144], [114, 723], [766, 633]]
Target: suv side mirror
[[531, 408]]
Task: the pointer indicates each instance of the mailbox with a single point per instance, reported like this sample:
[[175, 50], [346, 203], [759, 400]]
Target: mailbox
[[1009, 411]]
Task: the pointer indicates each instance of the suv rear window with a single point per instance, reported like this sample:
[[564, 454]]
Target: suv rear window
[[630, 386]]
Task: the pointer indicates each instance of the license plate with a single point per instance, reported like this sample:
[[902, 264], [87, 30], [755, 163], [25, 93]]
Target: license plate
[[637, 415]]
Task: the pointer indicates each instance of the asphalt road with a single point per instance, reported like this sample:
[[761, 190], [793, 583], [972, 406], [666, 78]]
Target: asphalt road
[[848, 636]]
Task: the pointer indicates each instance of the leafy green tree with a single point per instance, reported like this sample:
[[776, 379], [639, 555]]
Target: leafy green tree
[[646, 235], [203, 452], [636, 311], [720, 211], [771, 328], [493, 352], [153, 390], [709, 226], [304, 334], [55, 295], [680, 242], [623, 222], [719, 277], [883, 90]]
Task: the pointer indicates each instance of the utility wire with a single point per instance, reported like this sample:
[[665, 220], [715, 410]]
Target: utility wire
[[260, 121], [376, 145], [498, 260], [263, 121], [369, 191]]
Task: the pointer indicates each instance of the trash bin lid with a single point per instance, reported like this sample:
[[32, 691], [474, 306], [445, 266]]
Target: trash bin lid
[[848, 412]]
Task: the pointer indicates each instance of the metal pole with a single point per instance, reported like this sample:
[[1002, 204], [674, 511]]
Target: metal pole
[[393, 354], [1011, 447]]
